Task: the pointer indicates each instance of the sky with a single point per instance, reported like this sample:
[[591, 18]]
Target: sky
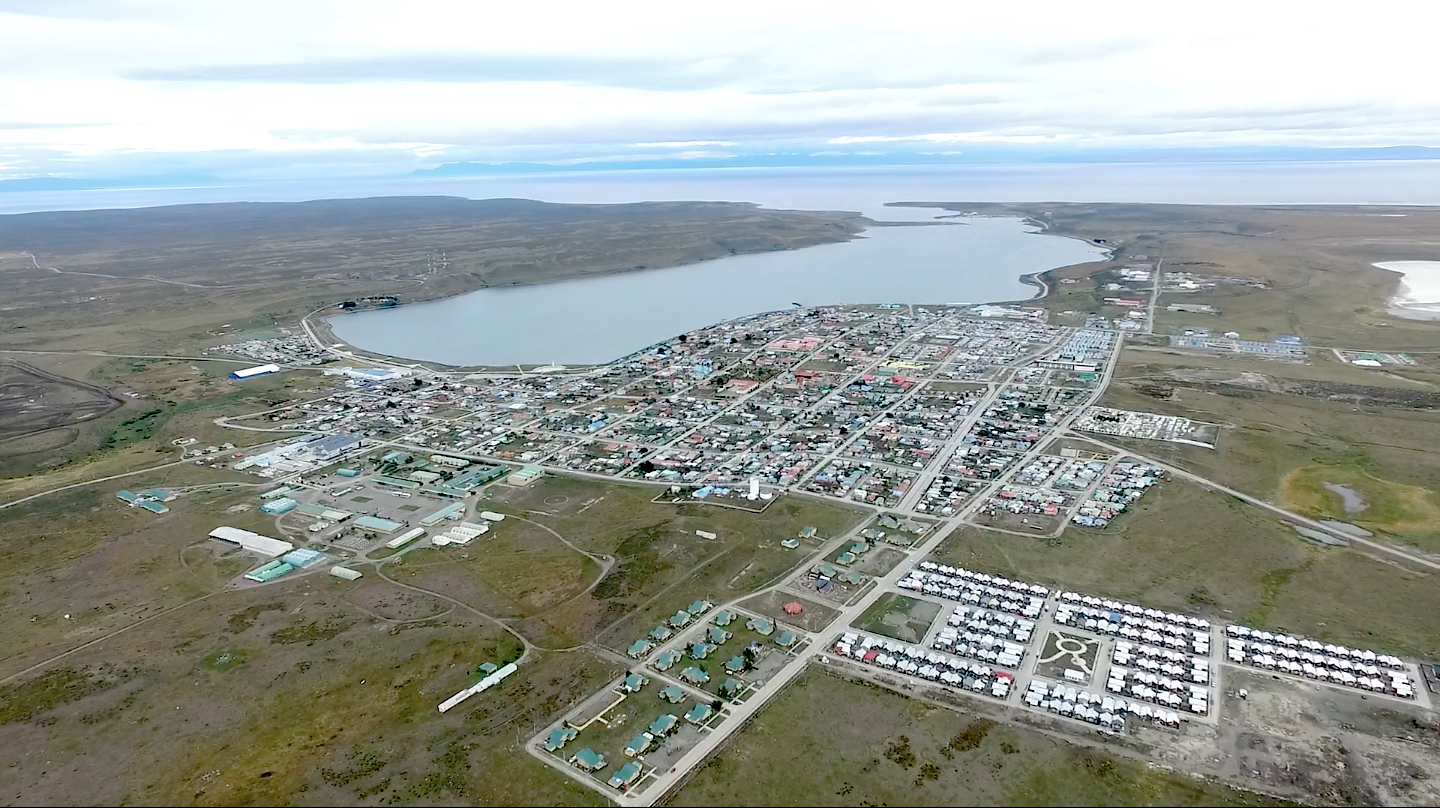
[[101, 88]]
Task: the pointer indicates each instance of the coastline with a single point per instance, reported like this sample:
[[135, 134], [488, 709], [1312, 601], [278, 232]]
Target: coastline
[[1042, 282], [1417, 295]]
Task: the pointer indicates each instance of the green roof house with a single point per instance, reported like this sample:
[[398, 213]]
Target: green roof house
[[724, 618], [694, 675], [786, 639], [700, 650], [667, 660], [559, 737], [661, 633], [789, 544], [664, 725], [672, 694], [731, 688], [718, 636], [700, 607], [638, 744], [626, 776], [639, 648], [845, 559], [487, 668], [681, 619], [634, 682], [761, 625], [699, 714], [589, 760], [735, 664]]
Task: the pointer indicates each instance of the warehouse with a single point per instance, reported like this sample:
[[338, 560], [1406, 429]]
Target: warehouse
[[330, 446], [405, 538], [377, 524], [258, 370], [254, 542]]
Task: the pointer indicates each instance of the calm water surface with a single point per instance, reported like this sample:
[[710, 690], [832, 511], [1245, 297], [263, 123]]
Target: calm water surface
[[596, 320], [600, 319]]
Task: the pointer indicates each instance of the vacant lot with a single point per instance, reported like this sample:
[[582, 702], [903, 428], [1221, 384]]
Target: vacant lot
[[287, 695], [1268, 437], [827, 741], [899, 617], [659, 563]]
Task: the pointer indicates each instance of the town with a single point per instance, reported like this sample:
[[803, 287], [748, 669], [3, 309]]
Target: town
[[931, 418]]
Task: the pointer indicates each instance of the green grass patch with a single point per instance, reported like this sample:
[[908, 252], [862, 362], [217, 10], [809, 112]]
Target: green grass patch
[[29, 699], [828, 741], [898, 617]]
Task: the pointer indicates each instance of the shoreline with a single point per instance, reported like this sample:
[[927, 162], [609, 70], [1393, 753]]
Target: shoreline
[[1043, 283], [1417, 295]]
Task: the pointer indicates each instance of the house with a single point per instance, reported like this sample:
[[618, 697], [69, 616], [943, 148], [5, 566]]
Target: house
[[486, 668], [701, 650], [694, 675], [761, 625], [699, 607], [588, 759], [661, 633], [638, 744], [626, 776], [845, 559], [667, 660], [681, 619], [786, 639], [699, 714], [664, 725], [717, 636], [559, 737], [793, 608], [634, 682], [672, 694], [639, 648], [789, 544], [736, 664], [723, 618], [731, 688]]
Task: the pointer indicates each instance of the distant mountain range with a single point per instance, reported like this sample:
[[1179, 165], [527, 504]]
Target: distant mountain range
[[968, 154], [985, 154]]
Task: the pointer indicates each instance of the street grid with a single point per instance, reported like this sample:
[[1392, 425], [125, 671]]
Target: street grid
[[917, 412]]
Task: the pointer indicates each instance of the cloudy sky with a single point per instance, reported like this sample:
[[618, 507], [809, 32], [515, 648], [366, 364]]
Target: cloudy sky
[[321, 87]]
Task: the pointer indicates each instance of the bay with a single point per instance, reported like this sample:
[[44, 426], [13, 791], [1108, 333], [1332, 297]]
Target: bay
[[600, 319]]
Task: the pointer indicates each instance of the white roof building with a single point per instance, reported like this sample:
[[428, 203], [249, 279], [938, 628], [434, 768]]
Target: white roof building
[[254, 542]]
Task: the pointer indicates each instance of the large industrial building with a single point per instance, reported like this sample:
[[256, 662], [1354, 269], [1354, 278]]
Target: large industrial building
[[254, 542], [258, 370]]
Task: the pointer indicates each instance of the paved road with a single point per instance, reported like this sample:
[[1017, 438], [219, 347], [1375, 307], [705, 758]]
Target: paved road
[[740, 714], [1260, 503], [1154, 297]]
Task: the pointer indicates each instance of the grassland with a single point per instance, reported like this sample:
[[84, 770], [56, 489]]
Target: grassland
[[1271, 441], [1317, 262], [318, 691], [660, 564], [827, 741], [164, 278]]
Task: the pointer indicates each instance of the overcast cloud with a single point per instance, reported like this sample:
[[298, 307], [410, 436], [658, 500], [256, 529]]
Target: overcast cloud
[[95, 88]]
